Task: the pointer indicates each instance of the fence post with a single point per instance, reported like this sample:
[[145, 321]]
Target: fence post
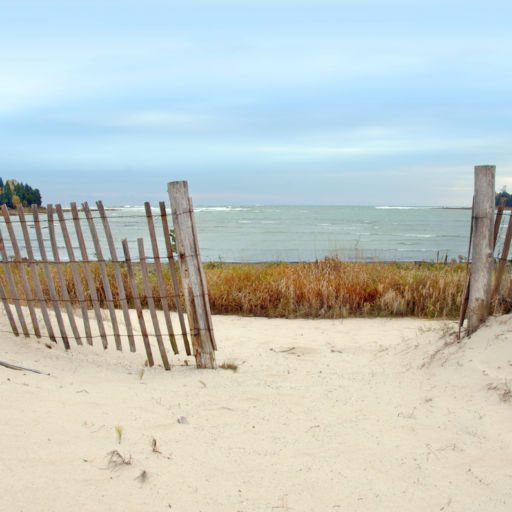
[[481, 267], [194, 285]]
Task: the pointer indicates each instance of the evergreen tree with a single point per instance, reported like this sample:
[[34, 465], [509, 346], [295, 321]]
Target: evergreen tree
[[506, 195], [6, 197], [36, 197], [21, 193]]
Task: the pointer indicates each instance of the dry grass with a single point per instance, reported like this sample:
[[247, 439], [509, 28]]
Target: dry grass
[[98, 283], [229, 365], [335, 289], [330, 288]]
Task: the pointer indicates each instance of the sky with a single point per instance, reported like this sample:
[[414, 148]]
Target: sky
[[256, 102]]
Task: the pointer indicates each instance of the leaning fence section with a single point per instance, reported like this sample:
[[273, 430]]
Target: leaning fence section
[[63, 277]]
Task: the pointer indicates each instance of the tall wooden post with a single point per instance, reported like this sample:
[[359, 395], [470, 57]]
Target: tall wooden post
[[483, 238], [192, 275]]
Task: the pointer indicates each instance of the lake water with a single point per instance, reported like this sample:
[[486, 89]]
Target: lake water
[[304, 233], [292, 233]]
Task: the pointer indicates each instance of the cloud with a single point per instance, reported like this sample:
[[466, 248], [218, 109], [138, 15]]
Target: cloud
[[384, 91]]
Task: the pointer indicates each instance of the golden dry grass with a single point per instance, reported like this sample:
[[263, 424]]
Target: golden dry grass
[[330, 288], [335, 289]]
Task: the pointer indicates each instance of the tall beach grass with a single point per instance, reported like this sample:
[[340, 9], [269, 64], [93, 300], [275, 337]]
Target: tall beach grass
[[329, 288]]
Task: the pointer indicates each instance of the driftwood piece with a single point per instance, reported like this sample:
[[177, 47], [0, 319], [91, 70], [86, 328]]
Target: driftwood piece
[[21, 368]]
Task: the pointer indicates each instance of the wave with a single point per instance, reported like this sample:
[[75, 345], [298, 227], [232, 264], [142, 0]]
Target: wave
[[219, 209], [404, 207]]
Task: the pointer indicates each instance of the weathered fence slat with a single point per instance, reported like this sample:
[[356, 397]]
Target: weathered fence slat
[[503, 261], [49, 279], [151, 304], [35, 275], [12, 287], [206, 299], [497, 221], [159, 277], [60, 275], [174, 277], [104, 276], [21, 268], [88, 275], [193, 284], [7, 309], [481, 267], [117, 272], [72, 283], [74, 271], [465, 296], [136, 300]]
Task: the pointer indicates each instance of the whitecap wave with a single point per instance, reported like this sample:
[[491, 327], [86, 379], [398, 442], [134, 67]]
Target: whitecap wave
[[404, 207], [219, 209]]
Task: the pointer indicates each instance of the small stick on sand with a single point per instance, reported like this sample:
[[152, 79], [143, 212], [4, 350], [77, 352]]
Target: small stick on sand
[[21, 368]]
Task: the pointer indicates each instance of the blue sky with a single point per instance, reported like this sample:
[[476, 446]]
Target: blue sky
[[267, 102]]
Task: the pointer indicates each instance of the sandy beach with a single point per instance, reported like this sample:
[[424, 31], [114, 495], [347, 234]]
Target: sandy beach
[[341, 415]]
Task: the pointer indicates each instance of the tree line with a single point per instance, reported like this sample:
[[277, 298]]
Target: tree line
[[506, 195], [13, 193]]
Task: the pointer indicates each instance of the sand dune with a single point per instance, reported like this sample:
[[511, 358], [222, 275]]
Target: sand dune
[[346, 415]]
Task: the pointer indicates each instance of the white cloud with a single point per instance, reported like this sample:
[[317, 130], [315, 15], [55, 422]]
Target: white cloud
[[159, 119]]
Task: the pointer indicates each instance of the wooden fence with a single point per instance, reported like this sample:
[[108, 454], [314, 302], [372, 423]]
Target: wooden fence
[[482, 292], [68, 285]]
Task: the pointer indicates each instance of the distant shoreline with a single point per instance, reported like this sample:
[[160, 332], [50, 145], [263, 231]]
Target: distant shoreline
[[44, 209], [27, 209]]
